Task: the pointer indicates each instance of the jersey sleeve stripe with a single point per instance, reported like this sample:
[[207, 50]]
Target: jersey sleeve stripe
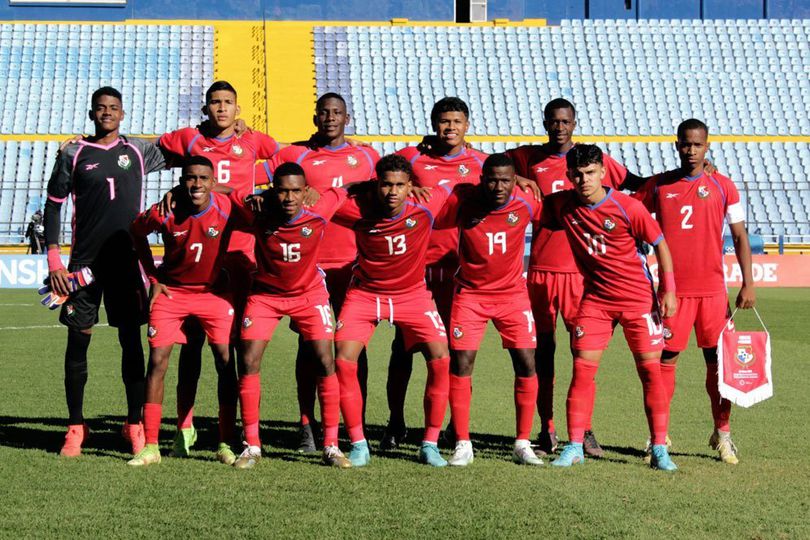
[[368, 157], [621, 209], [266, 166], [312, 214], [415, 157], [425, 210], [302, 156], [720, 188], [525, 203], [191, 144], [57, 199], [657, 240]]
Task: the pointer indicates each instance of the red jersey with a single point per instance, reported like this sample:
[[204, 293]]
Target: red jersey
[[692, 212], [327, 167], [286, 253], [463, 167], [492, 241], [234, 162], [391, 251], [606, 241], [550, 249], [193, 245]]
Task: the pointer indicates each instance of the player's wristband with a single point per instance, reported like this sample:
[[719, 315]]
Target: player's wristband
[[667, 281], [54, 260]]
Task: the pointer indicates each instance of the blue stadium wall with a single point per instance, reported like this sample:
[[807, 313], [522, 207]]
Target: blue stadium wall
[[424, 10]]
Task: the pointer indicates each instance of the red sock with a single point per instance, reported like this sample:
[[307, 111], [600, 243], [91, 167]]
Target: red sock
[[591, 404], [545, 402], [329, 395], [721, 408], [668, 380], [656, 405], [437, 391], [460, 398], [580, 400], [525, 399], [307, 381], [151, 421], [351, 400], [185, 407], [227, 422], [250, 398]]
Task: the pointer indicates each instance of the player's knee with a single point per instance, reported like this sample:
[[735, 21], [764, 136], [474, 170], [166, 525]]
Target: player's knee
[[710, 355], [523, 362], [670, 357], [221, 355], [462, 363]]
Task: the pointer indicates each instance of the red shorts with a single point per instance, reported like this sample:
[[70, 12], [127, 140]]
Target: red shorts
[[440, 281], [512, 316], [414, 312], [310, 313], [707, 315], [554, 293], [594, 328], [213, 311]]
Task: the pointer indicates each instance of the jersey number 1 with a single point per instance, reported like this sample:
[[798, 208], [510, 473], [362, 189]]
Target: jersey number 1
[[111, 181]]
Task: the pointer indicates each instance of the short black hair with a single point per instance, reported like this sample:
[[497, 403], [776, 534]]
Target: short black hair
[[448, 104], [218, 86], [497, 160], [197, 160], [105, 91], [288, 169], [329, 95], [393, 163], [582, 155], [558, 103], [692, 123]]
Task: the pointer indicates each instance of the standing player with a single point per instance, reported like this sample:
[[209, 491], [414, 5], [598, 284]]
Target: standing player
[[289, 282], [188, 285], [491, 219], [329, 161], [605, 228], [555, 284], [389, 284], [104, 175], [449, 163], [234, 160], [692, 207]]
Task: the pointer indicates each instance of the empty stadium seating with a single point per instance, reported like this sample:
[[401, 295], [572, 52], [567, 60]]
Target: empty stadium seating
[[50, 70], [746, 77]]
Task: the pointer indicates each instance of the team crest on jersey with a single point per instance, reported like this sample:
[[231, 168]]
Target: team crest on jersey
[[609, 225], [247, 322], [457, 332], [410, 223], [703, 192], [306, 232], [124, 162], [667, 334], [70, 310], [237, 150], [151, 331], [213, 232], [745, 355], [352, 161], [512, 218], [463, 170], [579, 331]]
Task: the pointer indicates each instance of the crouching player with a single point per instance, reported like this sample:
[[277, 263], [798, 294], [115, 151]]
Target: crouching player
[[605, 228], [692, 207], [492, 219], [288, 282], [195, 237], [392, 235]]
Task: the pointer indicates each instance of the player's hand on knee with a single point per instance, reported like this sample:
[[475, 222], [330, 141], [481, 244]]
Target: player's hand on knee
[[155, 292], [746, 298]]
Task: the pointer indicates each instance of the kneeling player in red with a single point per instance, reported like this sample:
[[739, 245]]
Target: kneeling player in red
[[692, 207], [289, 282], [388, 284], [187, 285], [605, 228], [491, 218]]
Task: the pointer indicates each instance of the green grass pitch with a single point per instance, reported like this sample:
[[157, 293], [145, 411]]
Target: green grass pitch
[[290, 496]]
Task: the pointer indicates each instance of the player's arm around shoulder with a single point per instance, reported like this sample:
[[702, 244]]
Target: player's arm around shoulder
[[735, 216], [154, 157], [148, 222]]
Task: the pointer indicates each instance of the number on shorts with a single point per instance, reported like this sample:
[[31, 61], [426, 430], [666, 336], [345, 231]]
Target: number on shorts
[[498, 238], [596, 244], [111, 181], [686, 212], [291, 252], [654, 325], [530, 321], [396, 244], [198, 247], [326, 315], [224, 171], [436, 319]]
